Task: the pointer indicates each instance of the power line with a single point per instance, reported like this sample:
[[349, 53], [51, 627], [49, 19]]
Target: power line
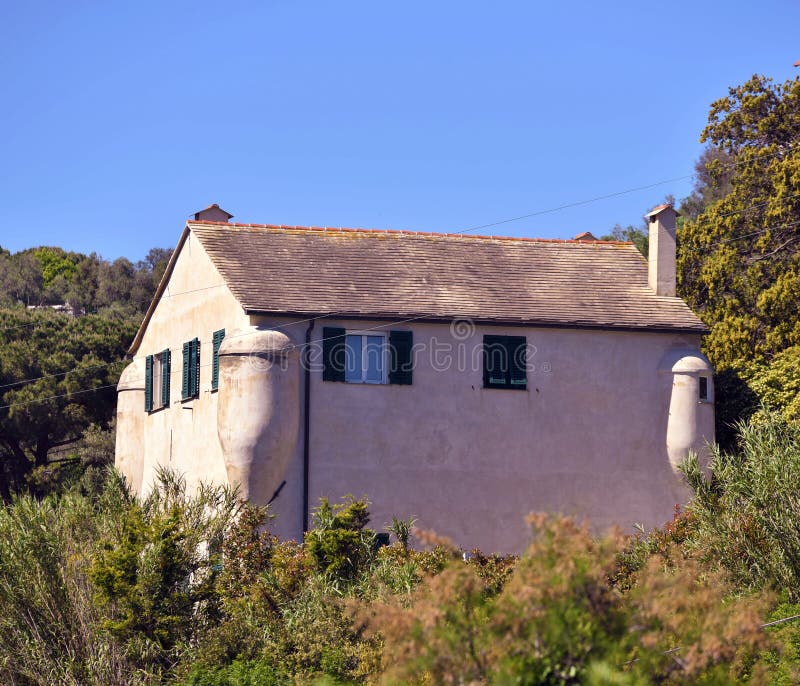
[[605, 197], [294, 346], [61, 395], [699, 220], [340, 314], [525, 216], [100, 365], [167, 294], [575, 204]]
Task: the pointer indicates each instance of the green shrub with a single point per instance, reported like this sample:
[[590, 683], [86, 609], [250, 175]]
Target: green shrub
[[661, 542], [748, 518], [340, 543], [154, 576], [238, 673], [50, 629]]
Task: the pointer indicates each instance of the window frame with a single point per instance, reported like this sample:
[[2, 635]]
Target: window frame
[[511, 344], [158, 370], [708, 396], [364, 334], [158, 362]]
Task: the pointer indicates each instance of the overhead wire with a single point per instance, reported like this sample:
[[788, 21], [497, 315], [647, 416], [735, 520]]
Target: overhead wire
[[293, 346], [322, 316], [167, 294]]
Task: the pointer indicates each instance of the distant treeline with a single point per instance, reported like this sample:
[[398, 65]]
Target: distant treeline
[[53, 276], [58, 371]]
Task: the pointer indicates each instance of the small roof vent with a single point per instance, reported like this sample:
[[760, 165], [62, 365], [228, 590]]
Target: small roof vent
[[212, 213], [585, 236]]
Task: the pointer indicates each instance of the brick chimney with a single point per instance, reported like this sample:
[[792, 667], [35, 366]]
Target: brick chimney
[[661, 254], [212, 213]]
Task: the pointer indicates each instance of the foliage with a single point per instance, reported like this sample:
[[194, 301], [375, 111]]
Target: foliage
[[340, 543], [238, 673], [739, 255], [48, 620], [153, 572], [50, 276], [97, 587], [748, 519], [777, 384], [558, 620], [49, 360], [639, 236], [659, 543], [403, 530], [57, 371], [713, 173]]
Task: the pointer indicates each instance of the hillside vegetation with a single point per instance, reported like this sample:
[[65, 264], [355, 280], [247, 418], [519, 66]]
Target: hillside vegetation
[[58, 372], [97, 587]]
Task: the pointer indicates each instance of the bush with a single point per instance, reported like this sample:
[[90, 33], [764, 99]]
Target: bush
[[340, 543], [49, 625], [238, 673], [152, 572], [558, 620], [748, 518]]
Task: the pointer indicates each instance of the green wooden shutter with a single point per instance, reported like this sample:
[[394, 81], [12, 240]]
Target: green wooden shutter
[[517, 351], [194, 381], [148, 383], [400, 362], [166, 368], [495, 362], [333, 353], [504, 362], [219, 336], [186, 374]]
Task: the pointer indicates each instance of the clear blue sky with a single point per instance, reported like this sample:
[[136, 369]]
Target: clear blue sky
[[120, 119]]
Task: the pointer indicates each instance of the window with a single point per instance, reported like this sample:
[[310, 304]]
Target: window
[[217, 339], [704, 389], [156, 381], [190, 387], [504, 362], [367, 357]]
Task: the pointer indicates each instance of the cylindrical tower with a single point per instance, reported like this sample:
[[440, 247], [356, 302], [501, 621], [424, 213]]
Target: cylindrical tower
[[690, 427], [258, 410], [129, 452]]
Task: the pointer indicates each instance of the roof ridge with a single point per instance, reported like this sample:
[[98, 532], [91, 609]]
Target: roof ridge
[[404, 232]]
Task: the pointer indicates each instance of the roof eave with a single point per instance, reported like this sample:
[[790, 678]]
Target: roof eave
[[398, 318]]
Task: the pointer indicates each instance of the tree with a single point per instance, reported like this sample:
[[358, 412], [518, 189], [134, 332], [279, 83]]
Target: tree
[[57, 377], [713, 173], [638, 236], [20, 279], [739, 257]]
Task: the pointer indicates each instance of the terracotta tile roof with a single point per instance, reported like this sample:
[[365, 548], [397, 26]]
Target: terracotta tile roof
[[371, 273]]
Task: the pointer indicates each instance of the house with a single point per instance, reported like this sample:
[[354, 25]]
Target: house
[[466, 380]]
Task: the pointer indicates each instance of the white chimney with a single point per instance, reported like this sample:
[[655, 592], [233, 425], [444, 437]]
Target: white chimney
[[661, 253], [212, 213]]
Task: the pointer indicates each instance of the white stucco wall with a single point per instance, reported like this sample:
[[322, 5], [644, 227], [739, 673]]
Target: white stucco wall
[[182, 436], [588, 437]]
